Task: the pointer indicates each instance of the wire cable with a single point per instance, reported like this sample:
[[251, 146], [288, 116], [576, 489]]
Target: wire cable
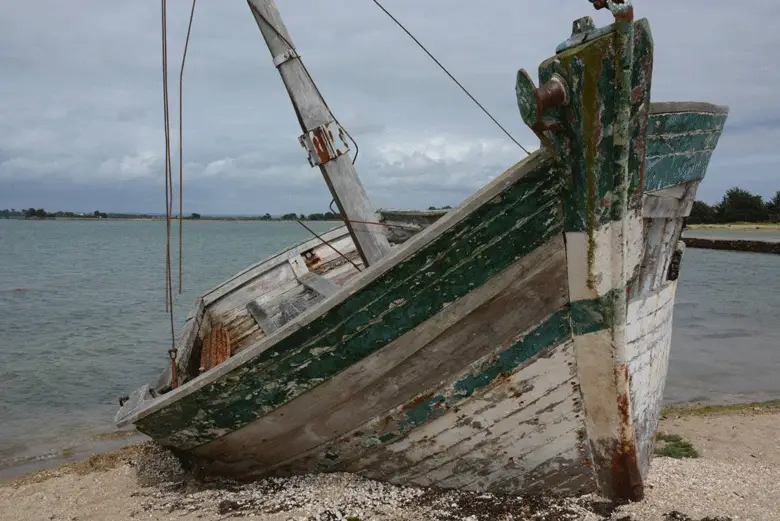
[[450, 75]]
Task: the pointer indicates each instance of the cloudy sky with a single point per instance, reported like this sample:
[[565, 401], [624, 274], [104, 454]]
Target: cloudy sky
[[81, 99]]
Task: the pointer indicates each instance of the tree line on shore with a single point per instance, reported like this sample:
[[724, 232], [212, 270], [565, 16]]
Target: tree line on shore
[[40, 213], [737, 205]]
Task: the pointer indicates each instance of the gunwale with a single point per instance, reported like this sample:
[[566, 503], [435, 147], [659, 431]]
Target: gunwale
[[397, 254]]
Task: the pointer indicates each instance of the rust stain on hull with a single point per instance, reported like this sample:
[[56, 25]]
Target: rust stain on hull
[[627, 480]]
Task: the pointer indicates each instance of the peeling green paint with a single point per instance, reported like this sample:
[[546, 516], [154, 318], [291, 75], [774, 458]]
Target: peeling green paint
[[683, 122], [552, 332], [589, 316], [599, 186], [524, 216], [601, 147], [679, 147], [555, 330]]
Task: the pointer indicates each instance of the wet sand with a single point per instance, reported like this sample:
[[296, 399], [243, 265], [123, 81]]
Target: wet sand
[[736, 477]]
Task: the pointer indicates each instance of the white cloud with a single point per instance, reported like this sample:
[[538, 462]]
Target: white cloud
[[144, 164]]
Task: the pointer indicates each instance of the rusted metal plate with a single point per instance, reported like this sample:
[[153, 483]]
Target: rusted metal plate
[[324, 143]]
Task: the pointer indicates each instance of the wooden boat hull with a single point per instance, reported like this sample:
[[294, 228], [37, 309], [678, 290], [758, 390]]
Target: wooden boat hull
[[518, 343]]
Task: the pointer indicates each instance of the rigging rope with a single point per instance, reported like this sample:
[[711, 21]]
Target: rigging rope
[[168, 191], [450, 75], [181, 152]]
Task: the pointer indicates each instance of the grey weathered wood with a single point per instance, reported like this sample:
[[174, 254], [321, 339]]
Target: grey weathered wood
[[319, 284], [515, 300], [261, 317], [655, 207], [291, 308], [670, 203], [298, 266], [312, 112], [247, 275]]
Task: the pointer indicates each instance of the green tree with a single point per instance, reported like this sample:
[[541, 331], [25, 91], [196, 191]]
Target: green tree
[[773, 207], [739, 205], [702, 213], [194, 216]]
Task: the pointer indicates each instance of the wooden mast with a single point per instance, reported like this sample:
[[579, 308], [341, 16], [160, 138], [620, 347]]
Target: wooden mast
[[324, 139]]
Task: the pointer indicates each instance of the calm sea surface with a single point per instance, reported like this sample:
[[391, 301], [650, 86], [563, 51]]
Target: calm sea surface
[[82, 319]]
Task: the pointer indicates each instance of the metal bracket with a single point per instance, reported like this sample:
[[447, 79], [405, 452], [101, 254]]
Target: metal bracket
[[324, 143], [289, 54]]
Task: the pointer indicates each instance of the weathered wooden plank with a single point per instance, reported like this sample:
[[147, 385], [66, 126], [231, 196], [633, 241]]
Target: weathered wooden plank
[[665, 207], [298, 266], [342, 274], [319, 284], [648, 342], [324, 254], [260, 316], [681, 137], [261, 284], [521, 219], [664, 211], [663, 231], [677, 117], [508, 422], [408, 305], [463, 331], [252, 272], [370, 441], [290, 309], [403, 224], [454, 437], [659, 243]]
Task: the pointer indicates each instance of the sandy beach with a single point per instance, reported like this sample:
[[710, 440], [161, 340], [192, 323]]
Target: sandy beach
[[736, 477]]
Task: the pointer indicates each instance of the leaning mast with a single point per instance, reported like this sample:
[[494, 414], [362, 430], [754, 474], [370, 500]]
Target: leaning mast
[[323, 137]]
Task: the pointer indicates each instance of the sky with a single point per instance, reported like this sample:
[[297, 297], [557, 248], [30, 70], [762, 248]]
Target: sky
[[81, 118]]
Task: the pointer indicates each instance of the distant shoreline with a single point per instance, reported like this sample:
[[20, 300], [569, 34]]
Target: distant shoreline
[[720, 227], [736, 226], [162, 219]]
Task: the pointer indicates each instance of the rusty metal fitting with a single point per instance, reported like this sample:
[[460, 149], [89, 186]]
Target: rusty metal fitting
[[324, 143], [532, 102]]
